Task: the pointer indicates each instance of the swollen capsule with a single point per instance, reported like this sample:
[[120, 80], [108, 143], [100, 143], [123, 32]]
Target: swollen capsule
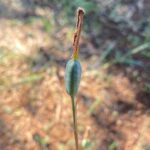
[[72, 76]]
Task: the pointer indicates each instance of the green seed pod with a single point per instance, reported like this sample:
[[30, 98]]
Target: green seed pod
[[72, 77]]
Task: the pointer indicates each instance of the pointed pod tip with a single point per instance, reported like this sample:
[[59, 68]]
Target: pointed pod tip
[[80, 10]]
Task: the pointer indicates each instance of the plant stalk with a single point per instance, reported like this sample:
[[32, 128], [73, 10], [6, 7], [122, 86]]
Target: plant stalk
[[75, 123]]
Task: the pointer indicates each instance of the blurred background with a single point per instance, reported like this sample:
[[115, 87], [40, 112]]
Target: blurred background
[[114, 95]]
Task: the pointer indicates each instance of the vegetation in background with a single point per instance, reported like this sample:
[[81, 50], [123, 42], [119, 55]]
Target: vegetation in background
[[115, 87]]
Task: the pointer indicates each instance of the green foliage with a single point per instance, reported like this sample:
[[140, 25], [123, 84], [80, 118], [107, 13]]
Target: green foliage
[[147, 87], [96, 103], [128, 57], [106, 52], [86, 143], [125, 59], [87, 5], [47, 24], [146, 147], [7, 55], [146, 53], [134, 40], [42, 141], [30, 78], [112, 146], [147, 32], [7, 109], [31, 19]]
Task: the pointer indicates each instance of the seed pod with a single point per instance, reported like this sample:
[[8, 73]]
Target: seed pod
[[72, 77]]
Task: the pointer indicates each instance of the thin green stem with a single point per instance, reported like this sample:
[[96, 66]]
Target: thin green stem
[[75, 123]]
